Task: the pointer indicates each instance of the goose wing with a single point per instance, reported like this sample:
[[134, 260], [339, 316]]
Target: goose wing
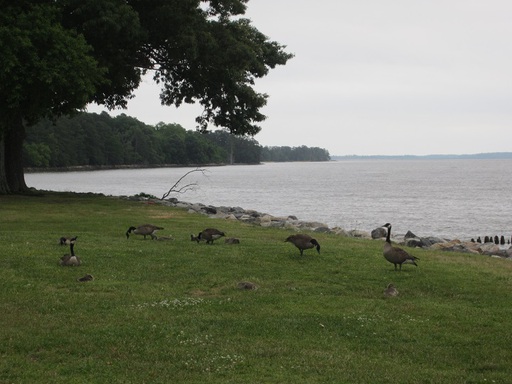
[[404, 256], [149, 227]]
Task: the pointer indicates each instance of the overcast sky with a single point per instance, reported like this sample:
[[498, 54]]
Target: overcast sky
[[378, 77]]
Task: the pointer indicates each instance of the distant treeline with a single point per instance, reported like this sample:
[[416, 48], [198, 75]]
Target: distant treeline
[[301, 153], [92, 139], [481, 156]]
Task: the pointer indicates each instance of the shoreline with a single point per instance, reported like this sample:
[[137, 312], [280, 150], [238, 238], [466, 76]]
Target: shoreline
[[354, 200], [85, 168], [292, 222]]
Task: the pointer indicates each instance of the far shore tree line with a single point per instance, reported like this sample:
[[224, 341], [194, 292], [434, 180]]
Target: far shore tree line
[[90, 139]]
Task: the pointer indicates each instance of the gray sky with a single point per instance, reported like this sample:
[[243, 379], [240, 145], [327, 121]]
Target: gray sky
[[378, 77]]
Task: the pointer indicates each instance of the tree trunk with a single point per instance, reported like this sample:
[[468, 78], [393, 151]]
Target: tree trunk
[[231, 158], [12, 178], [4, 187]]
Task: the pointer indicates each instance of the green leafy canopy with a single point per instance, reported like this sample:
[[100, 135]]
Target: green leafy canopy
[[210, 55], [47, 70], [56, 56]]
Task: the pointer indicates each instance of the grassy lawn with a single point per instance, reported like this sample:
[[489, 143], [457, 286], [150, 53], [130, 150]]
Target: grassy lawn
[[171, 312]]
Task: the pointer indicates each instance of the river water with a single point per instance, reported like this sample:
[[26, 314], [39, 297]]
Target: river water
[[456, 198]]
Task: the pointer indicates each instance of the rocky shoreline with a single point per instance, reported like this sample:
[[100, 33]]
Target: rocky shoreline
[[292, 222]]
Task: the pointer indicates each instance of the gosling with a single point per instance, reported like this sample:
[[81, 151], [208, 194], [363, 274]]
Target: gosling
[[390, 291], [303, 241], [86, 278]]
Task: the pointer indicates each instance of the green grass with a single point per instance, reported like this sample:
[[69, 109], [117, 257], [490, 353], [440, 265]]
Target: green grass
[[170, 311]]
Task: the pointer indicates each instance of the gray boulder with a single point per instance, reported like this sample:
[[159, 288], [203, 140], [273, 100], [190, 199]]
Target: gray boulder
[[379, 233], [322, 229], [414, 242], [410, 235], [433, 240], [359, 234]]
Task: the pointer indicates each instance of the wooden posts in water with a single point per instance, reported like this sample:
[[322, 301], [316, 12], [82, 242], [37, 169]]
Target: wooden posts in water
[[498, 240]]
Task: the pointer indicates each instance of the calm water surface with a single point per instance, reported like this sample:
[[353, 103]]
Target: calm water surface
[[459, 198]]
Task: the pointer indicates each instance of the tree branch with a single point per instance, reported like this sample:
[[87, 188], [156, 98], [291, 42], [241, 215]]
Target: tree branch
[[176, 188]]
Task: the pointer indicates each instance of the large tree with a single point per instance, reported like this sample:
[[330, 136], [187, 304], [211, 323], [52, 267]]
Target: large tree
[[56, 56]]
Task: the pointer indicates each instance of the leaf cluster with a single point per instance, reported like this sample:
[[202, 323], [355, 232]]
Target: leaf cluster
[[57, 56], [46, 69]]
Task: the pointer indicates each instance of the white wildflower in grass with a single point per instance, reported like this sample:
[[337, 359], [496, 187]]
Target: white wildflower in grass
[[202, 340], [207, 358], [172, 303], [412, 319], [214, 363], [367, 323], [364, 320], [225, 362], [221, 363]]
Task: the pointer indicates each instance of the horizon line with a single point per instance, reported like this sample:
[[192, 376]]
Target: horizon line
[[480, 154]]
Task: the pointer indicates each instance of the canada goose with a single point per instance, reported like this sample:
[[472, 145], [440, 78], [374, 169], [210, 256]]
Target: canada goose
[[232, 240], [66, 240], [71, 259], [144, 230], [303, 242], [209, 235], [390, 291], [396, 255]]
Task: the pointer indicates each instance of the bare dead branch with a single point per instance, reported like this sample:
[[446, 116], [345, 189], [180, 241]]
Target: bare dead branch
[[176, 188]]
